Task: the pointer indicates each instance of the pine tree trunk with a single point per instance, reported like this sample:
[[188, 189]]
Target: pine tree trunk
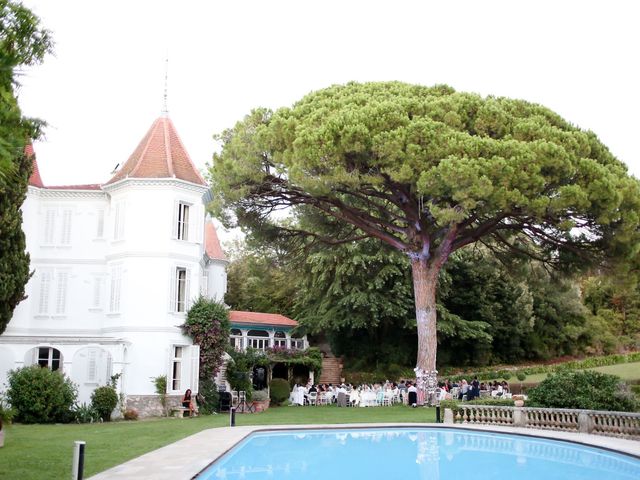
[[425, 276]]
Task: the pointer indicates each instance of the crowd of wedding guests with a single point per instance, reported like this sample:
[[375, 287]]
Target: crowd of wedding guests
[[388, 393]]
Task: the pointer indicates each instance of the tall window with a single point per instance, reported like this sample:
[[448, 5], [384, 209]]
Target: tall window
[[176, 368], [49, 357], [235, 339], [183, 222], [297, 343], [179, 295], [181, 289]]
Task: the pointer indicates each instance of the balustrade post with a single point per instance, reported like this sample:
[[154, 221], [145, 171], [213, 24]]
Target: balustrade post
[[448, 415], [585, 423], [519, 417]]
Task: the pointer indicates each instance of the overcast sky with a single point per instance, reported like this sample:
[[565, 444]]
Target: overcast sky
[[104, 86]]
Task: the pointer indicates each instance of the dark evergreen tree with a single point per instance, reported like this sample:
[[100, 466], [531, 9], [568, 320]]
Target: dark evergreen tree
[[22, 42]]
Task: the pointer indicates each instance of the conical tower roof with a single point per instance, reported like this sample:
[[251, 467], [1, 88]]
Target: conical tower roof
[[211, 242], [160, 154], [35, 179]]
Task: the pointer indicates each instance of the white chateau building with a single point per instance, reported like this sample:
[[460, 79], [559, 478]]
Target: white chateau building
[[115, 268]]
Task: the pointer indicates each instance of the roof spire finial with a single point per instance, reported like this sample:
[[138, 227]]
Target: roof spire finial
[[165, 108]]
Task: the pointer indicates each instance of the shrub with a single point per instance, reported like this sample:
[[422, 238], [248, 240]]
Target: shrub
[[261, 395], [583, 390], [6, 412], [497, 402], [160, 384], [279, 389], [130, 414], [40, 396], [521, 376], [505, 374], [85, 414], [104, 400], [208, 397]]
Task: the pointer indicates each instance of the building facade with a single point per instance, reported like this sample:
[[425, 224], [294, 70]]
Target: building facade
[[115, 267]]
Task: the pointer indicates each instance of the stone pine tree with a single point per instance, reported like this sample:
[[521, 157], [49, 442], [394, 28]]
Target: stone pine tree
[[428, 171], [22, 42]]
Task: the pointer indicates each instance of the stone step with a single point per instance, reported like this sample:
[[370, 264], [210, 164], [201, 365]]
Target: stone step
[[331, 370]]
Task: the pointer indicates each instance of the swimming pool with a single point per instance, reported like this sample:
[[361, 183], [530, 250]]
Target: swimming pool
[[433, 453]]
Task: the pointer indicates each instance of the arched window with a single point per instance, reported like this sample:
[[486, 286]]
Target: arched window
[[48, 357], [235, 339], [258, 339], [279, 339]]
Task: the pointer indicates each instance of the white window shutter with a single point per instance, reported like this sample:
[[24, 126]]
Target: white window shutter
[[116, 287], [45, 287], [173, 281], [187, 290], [195, 368], [65, 234], [49, 226], [100, 224], [169, 368], [123, 220], [174, 223], [97, 291], [197, 223], [116, 220], [204, 283], [61, 297], [92, 365]]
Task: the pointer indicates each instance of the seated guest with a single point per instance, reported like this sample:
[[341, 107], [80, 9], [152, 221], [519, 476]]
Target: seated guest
[[187, 402], [464, 389]]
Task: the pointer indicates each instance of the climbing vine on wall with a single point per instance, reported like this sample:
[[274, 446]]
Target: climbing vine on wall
[[207, 323]]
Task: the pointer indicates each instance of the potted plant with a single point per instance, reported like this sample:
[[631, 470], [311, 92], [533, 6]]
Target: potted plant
[[260, 399]]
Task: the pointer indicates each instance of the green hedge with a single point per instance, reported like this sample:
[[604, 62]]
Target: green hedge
[[582, 390]]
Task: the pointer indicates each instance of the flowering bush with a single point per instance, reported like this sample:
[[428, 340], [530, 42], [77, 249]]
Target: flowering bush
[[207, 324]]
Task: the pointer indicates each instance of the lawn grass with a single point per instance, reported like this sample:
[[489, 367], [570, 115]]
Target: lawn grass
[[45, 451], [626, 371]]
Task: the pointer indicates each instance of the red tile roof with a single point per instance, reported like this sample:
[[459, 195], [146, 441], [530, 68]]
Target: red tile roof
[[35, 179], [257, 318], [160, 154], [211, 242]]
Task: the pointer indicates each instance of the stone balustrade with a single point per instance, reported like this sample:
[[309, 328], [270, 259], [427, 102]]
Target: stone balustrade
[[615, 424]]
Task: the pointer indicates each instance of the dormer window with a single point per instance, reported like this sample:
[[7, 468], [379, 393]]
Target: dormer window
[[182, 225]]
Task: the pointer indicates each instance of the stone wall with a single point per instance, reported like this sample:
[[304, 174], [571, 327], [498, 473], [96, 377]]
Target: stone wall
[[150, 406]]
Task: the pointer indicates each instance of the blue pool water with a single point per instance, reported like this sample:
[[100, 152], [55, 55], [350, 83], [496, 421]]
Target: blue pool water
[[427, 453]]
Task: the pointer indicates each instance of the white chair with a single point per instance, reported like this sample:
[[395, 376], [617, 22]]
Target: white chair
[[312, 398]]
